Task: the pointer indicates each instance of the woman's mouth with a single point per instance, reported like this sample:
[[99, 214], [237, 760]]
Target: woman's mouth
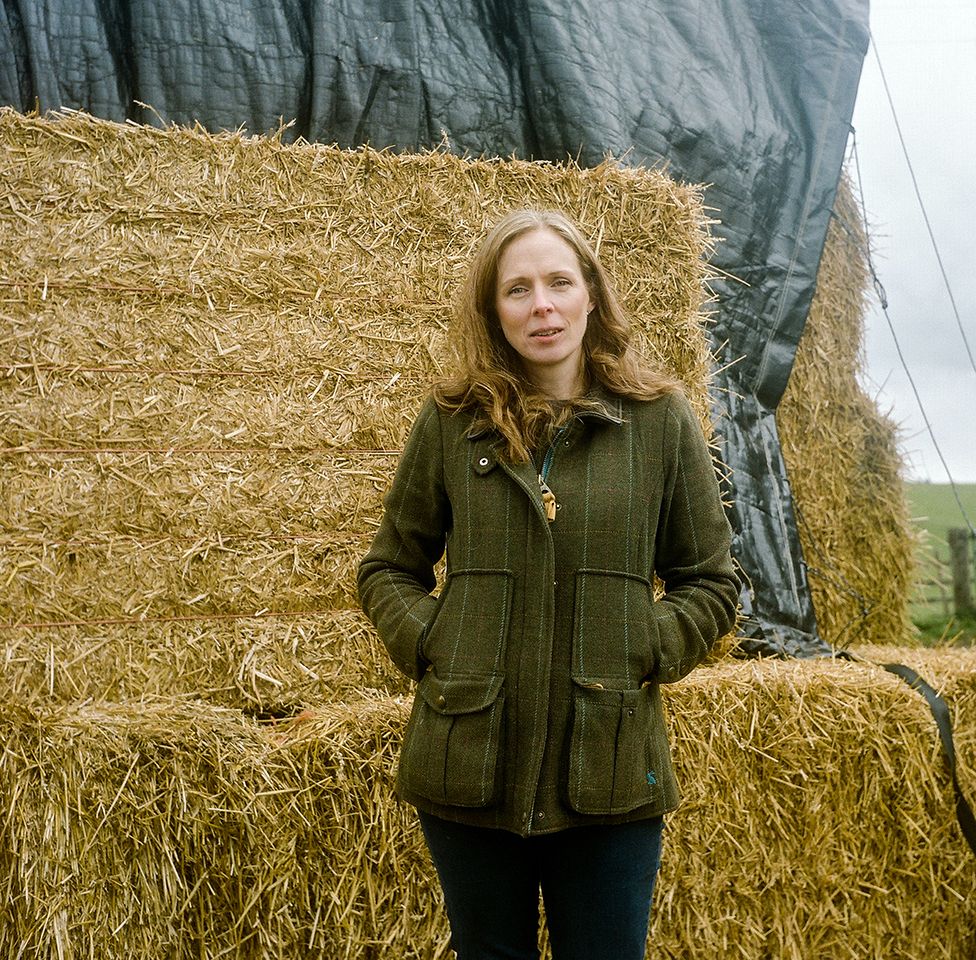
[[549, 332]]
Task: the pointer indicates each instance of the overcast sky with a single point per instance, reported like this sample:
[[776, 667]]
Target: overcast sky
[[927, 49]]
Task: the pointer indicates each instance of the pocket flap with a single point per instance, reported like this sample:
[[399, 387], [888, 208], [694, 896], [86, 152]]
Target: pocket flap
[[457, 695]]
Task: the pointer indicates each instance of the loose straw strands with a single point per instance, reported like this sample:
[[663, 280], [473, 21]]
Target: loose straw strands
[[272, 663], [166, 578], [952, 672], [286, 410]]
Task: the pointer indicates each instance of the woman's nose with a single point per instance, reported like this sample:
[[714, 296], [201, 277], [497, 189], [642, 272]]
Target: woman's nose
[[541, 302]]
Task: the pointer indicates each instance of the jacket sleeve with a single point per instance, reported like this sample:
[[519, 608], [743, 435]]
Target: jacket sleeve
[[396, 576], [692, 553]]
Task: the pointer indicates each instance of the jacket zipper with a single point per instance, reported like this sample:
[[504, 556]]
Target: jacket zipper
[[550, 505], [548, 497]]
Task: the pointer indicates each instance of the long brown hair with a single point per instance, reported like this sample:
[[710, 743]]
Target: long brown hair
[[490, 380]]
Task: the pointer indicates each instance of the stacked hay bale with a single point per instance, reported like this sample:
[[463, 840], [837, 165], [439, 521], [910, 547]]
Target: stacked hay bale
[[213, 348], [844, 467]]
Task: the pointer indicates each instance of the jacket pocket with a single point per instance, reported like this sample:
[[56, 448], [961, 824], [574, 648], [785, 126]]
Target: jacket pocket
[[612, 627], [615, 759], [453, 740], [470, 628]]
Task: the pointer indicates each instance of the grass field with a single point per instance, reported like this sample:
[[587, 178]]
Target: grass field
[[935, 510]]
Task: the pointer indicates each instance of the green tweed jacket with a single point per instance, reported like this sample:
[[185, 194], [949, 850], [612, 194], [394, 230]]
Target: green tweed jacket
[[539, 662]]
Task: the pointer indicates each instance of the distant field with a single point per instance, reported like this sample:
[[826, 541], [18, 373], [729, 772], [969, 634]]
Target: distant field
[[935, 510], [934, 506]]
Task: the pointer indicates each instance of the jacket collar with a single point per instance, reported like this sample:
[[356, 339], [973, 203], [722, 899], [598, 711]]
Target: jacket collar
[[610, 410]]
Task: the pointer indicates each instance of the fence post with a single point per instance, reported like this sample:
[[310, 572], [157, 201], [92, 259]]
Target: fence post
[[960, 548]]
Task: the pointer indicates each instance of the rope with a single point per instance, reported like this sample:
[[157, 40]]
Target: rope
[[921, 204]]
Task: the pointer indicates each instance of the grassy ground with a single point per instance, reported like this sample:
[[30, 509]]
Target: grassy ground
[[935, 510]]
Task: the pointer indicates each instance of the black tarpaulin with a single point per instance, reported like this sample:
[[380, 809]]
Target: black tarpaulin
[[753, 97]]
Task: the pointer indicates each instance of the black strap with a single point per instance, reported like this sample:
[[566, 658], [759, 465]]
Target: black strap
[[940, 710]]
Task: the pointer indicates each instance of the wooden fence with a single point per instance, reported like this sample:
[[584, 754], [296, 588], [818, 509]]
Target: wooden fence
[[949, 575]]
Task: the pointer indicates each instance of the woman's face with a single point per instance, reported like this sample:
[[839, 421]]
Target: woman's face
[[542, 303]]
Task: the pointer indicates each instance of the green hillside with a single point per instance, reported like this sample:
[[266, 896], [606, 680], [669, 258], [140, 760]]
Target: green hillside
[[935, 510], [934, 507]]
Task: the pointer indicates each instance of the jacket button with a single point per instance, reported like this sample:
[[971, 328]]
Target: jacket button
[[541, 815], [483, 462], [442, 701]]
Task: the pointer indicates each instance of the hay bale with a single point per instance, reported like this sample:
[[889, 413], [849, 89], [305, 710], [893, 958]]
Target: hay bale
[[844, 468], [178, 829], [818, 808], [952, 672], [817, 822], [147, 830], [383, 898], [263, 665], [215, 347]]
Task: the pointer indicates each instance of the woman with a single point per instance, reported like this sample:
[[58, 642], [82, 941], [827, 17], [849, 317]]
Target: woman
[[561, 475]]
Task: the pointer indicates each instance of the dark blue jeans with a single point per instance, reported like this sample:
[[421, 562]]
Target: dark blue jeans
[[596, 882]]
